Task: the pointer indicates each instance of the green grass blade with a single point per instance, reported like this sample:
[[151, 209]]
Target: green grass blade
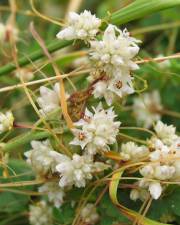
[[141, 8]]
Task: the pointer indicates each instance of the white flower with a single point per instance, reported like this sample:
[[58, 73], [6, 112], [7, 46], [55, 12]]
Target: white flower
[[54, 192], [25, 74], [6, 121], [97, 131], [120, 87], [42, 157], [166, 133], [7, 31], [41, 214], [164, 162], [139, 193], [89, 214], [78, 170], [114, 53], [134, 195], [83, 26], [49, 100], [100, 89], [155, 189], [131, 151], [146, 108], [147, 171], [164, 172], [145, 188]]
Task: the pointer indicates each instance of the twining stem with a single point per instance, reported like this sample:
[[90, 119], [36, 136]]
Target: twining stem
[[52, 47], [24, 139], [23, 183], [135, 10], [162, 26]]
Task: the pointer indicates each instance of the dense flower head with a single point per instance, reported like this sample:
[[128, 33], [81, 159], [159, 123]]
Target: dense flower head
[[89, 214], [83, 26], [131, 151], [110, 88], [146, 108], [166, 133], [54, 192], [78, 170], [6, 121], [42, 157], [164, 162], [113, 53], [96, 131], [49, 99], [40, 214]]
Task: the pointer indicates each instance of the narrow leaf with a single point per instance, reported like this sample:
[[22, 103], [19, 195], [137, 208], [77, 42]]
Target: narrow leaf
[[113, 189]]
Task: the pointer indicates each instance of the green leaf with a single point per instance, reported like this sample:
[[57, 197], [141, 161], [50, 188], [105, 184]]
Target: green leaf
[[168, 204], [141, 8], [113, 189], [65, 214]]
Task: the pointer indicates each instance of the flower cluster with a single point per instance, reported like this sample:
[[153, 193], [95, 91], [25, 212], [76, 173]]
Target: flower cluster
[[78, 170], [84, 26], [98, 130], [133, 152], [146, 108], [54, 192], [6, 121], [89, 214], [157, 160], [49, 99], [42, 157], [40, 214], [163, 163], [112, 56]]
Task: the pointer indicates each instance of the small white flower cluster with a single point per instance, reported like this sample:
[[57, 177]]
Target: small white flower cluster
[[49, 99], [98, 130], [6, 121], [147, 107], [6, 31], [42, 157], [163, 164], [89, 214], [133, 152], [113, 55], [84, 26], [40, 214], [77, 170], [54, 192]]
